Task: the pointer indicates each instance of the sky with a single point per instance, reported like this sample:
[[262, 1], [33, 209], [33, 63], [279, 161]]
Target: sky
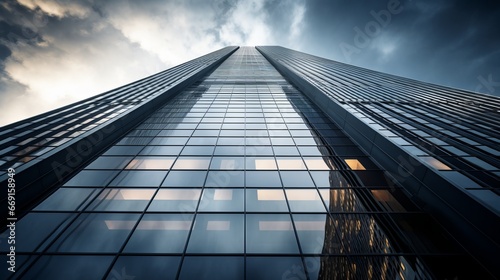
[[56, 52]]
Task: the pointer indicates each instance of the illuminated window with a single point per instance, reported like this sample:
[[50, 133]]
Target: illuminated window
[[435, 163], [316, 164], [270, 195], [354, 164]]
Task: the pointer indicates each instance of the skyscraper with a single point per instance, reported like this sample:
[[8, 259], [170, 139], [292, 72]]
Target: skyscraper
[[256, 163]]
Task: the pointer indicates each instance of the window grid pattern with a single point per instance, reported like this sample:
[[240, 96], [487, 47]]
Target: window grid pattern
[[238, 177]]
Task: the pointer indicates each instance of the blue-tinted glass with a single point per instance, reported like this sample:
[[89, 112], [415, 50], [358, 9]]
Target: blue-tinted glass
[[96, 233], [123, 150], [275, 268], [67, 199], [225, 178], [296, 179], [27, 239], [198, 151], [145, 267], [223, 231], [262, 179], [109, 163], [91, 178], [161, 150], [210, 267], [139, 179], [122, 200], [69, 267], [222, 200], [185, 179], [270, 233], [175, 200], [229, 150], [304, 200], [160, 233]]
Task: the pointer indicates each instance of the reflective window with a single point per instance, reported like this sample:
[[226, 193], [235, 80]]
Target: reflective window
[[260, 163], [212, 267], [68, 199], [96, 233], [262, 179], [185, 179], [304, 200], [223, 231], [69, 267], [109, 163], [150, 163], [160, 233], [354, 164], [265, 200], [222, 200], [270, 233], [296, 179], [91, 178], [176, 200], [122, 200], [192, 163], [139, 179], [146, 267]]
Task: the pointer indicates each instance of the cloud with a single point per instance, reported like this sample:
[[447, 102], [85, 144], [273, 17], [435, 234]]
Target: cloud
[[59, 52]]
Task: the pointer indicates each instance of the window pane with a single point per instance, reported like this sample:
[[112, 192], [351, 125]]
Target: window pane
[[69, 267], [263, 179], [211, 267], [270, 233], [260, 163], [192, 163], [68, 199], [151, 163], [304, 201], [222, 200], [139, 179], [160, 233], [122, 200], [296, 179], [145, 267], [270, 268], [177, 200], [224, 232], [223, 179], [109, 163], [91, 178], [266, 200], [96, 233], [185, 179]]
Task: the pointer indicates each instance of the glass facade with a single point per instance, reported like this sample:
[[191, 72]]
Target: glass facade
[[239, 176]]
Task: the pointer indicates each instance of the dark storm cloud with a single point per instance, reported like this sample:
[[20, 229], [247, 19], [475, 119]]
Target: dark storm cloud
[[54, 52], [453, 43]]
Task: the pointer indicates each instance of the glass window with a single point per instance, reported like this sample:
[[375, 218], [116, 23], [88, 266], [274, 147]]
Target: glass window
[[122, 200], [212, 267], [151, 163], [198, 151], [160, 233], [91, 178], [316, 231], [224, 232], [296, 179], [265, 200], [68, 199], [104, 162], [222, 200], [259, 151], [185, 179], [304, 200], [202, 141], [270, 268], [139, 178], [227, 163], [69, 267], [123, 150], [317, 163], [262, 179], [290, 163], [270, 233], [161, 150], [176, 200], [435, 163], [286, 151], [260, 163], [27, 239], [96, 233], [192, 163], [145, 267], [354, 164], [225, 179], [229, 150]]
